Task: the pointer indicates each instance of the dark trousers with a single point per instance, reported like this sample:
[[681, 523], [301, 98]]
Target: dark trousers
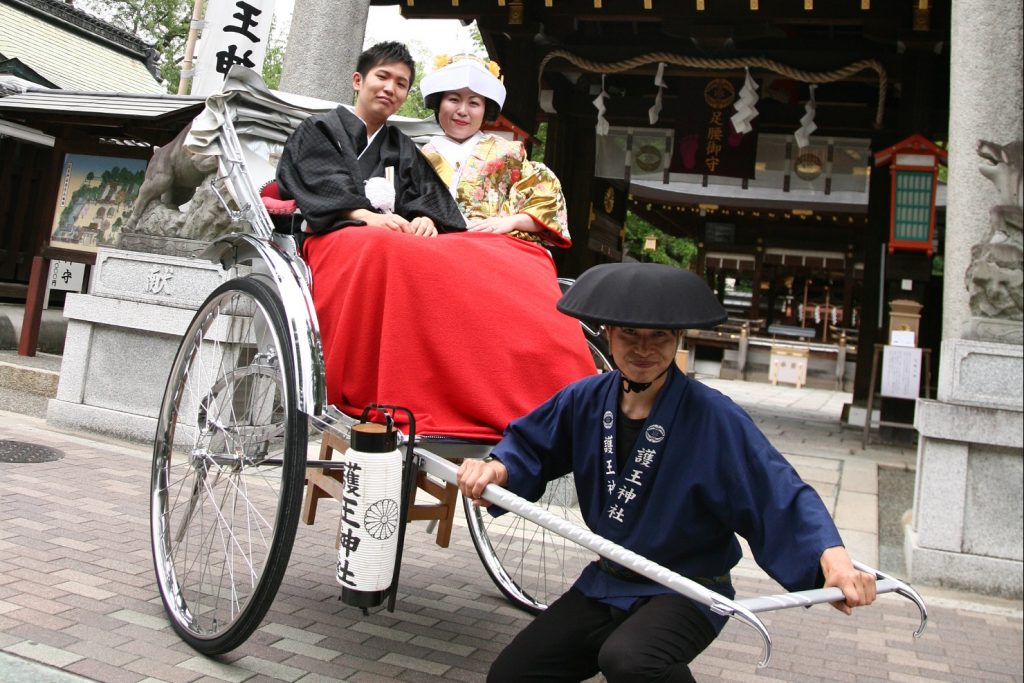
[[577, 637]]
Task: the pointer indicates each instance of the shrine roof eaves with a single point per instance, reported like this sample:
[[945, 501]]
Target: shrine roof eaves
[[73, 103], [73, 50], [758, 197]]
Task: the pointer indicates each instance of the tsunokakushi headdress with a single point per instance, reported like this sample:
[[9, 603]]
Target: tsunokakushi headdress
[[456, 72]]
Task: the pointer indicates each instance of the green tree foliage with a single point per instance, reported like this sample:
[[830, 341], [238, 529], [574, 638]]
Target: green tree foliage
[[541, 137], [673, 251], [164, 23], [273, 62], [478, 40], [943, 169], [413, 105]]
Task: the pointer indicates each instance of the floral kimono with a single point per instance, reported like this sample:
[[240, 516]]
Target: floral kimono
[[491, 176]]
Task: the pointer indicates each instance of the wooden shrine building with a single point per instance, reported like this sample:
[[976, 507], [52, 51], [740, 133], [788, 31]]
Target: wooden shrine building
[[806, 224]]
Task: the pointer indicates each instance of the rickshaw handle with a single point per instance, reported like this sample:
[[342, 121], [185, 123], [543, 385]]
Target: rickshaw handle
[[885, 584], [445, 470], [745, 610]]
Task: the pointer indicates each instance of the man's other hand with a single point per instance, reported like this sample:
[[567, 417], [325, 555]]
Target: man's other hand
[[423, 226], [857, 586]]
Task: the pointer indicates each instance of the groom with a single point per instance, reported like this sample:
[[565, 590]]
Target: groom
[[328, 159]]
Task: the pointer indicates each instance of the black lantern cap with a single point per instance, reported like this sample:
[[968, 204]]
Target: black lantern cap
[[643, 295], [370, 437]]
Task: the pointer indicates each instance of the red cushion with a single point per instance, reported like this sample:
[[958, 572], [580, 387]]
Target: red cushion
[[279, 207], [271, 189], [271, 196]]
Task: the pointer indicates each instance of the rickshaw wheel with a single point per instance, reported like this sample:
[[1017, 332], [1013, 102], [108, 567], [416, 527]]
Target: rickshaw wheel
[[228, 467], [530, 565]]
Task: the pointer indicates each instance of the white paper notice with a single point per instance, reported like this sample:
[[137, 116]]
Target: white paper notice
[[901, 372]]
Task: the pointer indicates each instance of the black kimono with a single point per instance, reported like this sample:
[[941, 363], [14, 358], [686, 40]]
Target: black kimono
[[321, 168]]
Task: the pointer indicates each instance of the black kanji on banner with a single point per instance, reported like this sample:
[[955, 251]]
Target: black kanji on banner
[[706, 143]]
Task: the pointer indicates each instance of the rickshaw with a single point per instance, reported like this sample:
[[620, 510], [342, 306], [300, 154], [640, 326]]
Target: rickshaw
[[246, 390]]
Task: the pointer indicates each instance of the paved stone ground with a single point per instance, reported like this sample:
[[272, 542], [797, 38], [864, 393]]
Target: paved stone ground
[[77, 595]]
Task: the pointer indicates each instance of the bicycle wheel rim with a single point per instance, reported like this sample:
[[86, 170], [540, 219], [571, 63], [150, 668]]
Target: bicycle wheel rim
[[530, 565], [222, 516]]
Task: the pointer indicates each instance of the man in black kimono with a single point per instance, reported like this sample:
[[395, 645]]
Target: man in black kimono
[[327, 161]]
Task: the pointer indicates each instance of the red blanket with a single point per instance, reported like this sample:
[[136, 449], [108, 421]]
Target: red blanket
[[461, 329]]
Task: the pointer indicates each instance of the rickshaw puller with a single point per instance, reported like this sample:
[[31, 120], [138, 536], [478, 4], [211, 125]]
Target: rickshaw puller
[[668, 468]]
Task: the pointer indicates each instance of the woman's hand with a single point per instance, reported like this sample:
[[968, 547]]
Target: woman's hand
[[858, 587], [474, 476], [503, 225]]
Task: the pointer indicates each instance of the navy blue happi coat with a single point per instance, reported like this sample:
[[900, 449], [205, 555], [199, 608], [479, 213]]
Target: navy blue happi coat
[[700, 472]]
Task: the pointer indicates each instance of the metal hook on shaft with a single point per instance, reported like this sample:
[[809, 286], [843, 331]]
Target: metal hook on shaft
[[730, 608], [904, 589]]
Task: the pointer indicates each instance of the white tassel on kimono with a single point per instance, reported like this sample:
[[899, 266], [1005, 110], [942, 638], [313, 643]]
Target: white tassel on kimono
[[381, 194]]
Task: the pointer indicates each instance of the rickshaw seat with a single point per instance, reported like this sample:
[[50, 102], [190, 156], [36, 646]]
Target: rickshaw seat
[[271, 196], [284, 213]]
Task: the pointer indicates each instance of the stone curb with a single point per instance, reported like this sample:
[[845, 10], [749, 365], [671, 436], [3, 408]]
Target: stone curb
[[38, 381]]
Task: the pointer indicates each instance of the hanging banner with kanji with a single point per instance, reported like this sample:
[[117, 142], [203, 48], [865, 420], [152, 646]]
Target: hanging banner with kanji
[[234, 33], [706, 142]]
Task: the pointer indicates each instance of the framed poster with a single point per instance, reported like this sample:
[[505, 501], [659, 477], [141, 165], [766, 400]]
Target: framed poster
[[95, 198]]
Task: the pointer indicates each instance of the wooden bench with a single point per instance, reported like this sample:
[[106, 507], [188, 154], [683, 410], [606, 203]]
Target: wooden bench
[[323, 483]]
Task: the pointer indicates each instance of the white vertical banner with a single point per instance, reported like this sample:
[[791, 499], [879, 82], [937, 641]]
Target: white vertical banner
[[234, 32]]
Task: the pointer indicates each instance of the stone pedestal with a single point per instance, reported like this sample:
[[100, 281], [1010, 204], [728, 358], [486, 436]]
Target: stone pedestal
[[122, 338], [967, 525], [967, 522]]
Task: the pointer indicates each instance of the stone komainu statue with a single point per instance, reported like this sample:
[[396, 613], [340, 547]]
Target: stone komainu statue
[[175, 176], [995, 278]]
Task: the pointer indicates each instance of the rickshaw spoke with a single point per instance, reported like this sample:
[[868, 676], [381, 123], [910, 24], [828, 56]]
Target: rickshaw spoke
[[222, 522], [529, 565]]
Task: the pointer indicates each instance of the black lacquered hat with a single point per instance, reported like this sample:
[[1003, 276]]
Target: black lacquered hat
[[643, 295]]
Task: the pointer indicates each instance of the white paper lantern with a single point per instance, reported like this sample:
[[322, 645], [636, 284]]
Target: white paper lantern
[[370, 515]]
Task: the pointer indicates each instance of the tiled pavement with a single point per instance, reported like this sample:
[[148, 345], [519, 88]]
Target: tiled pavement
[[77, 591]]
